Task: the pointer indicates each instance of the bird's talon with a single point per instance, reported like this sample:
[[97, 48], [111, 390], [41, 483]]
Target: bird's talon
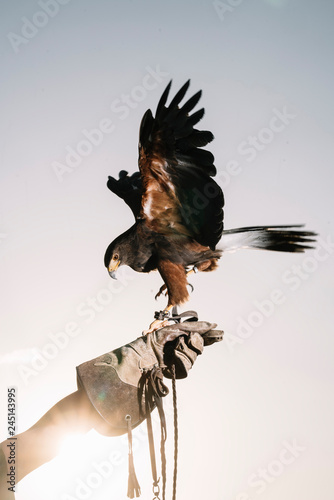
[[161, 291]]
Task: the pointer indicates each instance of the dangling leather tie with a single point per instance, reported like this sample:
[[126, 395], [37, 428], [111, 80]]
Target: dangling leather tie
[[133, 485], [155, 390]]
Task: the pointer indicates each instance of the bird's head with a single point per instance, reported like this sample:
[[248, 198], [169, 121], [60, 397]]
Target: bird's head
[[119, 252], [113, 258]]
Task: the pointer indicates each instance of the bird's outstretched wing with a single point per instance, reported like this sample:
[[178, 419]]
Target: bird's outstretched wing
[[129, 188], [179, 196]]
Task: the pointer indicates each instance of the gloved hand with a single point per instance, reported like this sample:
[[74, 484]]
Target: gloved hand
[[112, 380], [180, 344]]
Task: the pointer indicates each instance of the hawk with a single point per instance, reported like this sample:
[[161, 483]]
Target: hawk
[[178, 206]]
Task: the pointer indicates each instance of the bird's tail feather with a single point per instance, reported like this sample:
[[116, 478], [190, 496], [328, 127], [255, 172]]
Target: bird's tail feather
[[278, 238]]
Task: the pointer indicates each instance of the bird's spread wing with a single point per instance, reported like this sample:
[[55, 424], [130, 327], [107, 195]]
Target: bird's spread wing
[[179, 196], [129, 188]]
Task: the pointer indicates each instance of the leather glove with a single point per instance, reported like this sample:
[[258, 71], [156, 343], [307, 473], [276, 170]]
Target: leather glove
[[180, 344], [112, 381]]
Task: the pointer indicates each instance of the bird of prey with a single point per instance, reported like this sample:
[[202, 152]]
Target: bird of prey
[[178, 207]]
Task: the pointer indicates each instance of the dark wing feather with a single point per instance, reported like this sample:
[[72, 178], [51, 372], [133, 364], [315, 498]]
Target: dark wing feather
[[179, 195], [129, 188]]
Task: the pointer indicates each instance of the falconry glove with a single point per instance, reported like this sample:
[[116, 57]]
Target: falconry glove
[[126, 384], [113, 381]]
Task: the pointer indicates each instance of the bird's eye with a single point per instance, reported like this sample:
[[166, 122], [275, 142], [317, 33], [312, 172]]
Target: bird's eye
[[115, 256]]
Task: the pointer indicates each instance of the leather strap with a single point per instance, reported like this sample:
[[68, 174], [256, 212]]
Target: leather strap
[[155, 390], [191, 315]]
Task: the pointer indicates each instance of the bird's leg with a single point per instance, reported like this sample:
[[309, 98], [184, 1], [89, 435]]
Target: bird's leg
[[175, 279], [162, 319], [163, 288]]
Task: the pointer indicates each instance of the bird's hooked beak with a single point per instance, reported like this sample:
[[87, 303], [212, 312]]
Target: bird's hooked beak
[[112, 268]]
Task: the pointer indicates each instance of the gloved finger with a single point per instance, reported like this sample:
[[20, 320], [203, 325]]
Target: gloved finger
[[206, 329], [167, 334], [171, 332], [196, 326], [183, 353], [212, 336], [183, 361], [195, 342]]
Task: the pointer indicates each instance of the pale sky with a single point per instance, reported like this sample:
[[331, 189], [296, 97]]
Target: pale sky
[[256, 412]]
